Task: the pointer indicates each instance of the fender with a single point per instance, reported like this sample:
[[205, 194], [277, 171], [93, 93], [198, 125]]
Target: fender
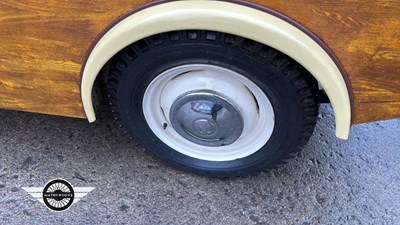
[[265, 26]]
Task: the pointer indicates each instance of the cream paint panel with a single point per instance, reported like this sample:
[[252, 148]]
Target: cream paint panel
[[230, 18]]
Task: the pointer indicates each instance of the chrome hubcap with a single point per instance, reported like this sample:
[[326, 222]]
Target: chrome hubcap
[[206, 118]]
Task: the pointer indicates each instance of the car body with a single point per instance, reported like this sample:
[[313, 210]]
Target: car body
[[51, 56]]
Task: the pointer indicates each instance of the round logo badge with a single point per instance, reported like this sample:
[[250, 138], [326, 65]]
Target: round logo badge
[[58, 195]]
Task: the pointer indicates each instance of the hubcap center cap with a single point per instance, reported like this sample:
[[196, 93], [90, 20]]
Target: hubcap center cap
[[206, 118], [205, 127]]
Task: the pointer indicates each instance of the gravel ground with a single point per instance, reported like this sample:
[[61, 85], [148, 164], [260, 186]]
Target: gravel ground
[[331, 182]]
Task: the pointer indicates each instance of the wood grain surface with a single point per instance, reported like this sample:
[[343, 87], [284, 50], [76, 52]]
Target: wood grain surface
[[365, 36], [44, 44]]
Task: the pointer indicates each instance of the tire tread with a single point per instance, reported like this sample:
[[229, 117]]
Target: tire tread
[[300, 79]]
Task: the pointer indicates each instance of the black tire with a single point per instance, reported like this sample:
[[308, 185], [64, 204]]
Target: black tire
[[289, 87]]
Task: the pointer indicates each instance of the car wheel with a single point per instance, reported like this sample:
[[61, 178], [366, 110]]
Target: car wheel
[[213, 103]]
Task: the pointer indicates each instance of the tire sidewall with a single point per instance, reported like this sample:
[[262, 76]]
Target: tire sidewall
[[281, 93]]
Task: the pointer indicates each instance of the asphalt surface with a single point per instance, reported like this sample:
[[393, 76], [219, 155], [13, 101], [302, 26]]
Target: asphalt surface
[[331, 181]]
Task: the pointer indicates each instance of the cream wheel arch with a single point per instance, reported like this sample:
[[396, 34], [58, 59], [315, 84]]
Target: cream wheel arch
[[224, 17]]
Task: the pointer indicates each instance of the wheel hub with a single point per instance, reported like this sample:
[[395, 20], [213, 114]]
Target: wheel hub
[[206, 118], [208, 112]]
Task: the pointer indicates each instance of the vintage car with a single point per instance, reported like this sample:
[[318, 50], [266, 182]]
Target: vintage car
[[218, 88]]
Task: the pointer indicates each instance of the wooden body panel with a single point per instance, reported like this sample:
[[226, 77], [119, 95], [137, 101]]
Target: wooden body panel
[[365, 36], [43, 48]]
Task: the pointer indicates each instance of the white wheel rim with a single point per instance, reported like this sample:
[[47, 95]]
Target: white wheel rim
[[255, 107]]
